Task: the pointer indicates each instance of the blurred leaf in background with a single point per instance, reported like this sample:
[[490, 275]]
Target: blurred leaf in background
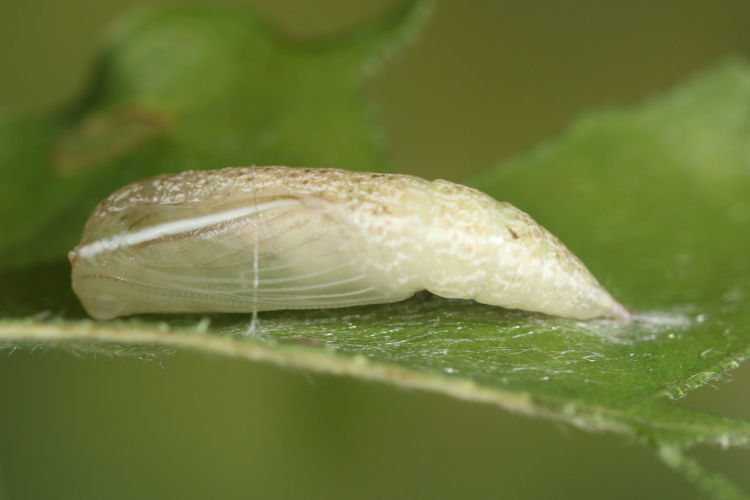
[[653, 199]]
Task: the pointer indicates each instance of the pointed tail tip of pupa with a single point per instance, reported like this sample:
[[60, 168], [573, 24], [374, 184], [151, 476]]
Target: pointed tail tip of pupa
[[621, 314]]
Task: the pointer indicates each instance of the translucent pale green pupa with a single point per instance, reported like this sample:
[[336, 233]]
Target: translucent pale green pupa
[[266, 238]]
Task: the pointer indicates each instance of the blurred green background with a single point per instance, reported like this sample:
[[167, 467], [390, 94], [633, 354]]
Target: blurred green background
[[486, 80]]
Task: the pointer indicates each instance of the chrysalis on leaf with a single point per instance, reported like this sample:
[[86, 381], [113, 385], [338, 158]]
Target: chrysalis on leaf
[[268, 238]]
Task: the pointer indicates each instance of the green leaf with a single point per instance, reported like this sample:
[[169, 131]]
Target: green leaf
[[653, 199]]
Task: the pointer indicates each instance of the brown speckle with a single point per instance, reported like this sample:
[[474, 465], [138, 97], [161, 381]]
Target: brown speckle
[[513, 233]]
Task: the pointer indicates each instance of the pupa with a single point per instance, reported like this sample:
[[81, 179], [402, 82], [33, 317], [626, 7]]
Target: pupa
[[248, 239]]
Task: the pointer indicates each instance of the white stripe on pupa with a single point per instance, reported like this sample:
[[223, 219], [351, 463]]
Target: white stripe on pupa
[[175, 227]]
